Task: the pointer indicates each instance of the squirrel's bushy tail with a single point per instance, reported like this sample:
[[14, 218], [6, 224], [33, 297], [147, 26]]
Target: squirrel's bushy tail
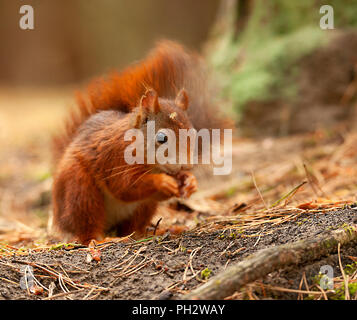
[[167, 69]]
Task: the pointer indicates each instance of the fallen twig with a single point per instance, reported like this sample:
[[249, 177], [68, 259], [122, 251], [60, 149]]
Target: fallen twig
[[271, 259]]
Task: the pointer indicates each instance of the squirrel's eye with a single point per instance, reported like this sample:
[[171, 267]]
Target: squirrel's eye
[[161, 137]]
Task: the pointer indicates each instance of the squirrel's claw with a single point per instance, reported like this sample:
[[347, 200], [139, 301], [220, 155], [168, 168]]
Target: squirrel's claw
[[188, 183]]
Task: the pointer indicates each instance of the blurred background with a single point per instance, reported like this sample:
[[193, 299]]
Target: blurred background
[[278, 74], [75, 40], [266, 57]]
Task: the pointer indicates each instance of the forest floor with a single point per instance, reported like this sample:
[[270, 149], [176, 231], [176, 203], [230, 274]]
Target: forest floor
[[281, 191]]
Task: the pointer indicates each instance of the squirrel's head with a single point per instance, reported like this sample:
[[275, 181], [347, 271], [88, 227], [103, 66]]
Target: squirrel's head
[[161, 121]]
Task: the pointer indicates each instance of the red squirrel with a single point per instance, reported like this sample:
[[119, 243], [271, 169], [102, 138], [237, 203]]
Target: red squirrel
[[94, 189]]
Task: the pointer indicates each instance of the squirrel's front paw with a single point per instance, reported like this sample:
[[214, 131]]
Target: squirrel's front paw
[[188, 184], [167, 185]]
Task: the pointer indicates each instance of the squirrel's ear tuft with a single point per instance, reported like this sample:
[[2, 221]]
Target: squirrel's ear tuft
[[139, 118], [182, 99], [150, 101]]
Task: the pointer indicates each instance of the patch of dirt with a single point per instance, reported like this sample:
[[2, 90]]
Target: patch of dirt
[[159, 268]]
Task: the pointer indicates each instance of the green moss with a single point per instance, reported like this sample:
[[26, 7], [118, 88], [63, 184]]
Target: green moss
[[347, 228], [299, 223], [340, 293], [351, 268], [206, 273], [64, 245], [317, 278], [232, 235], [222, 235]]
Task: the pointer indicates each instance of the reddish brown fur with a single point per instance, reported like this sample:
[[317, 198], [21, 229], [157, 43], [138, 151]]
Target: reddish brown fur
[[164, 70], [90, 168]]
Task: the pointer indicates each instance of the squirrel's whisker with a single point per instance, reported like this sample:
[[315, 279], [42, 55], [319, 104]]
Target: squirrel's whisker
[[140, 177], [120, 172]]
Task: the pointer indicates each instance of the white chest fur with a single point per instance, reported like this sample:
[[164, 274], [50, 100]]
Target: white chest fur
[[116, 210]]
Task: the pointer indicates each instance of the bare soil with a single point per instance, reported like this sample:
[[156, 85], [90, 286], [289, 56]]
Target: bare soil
[[164, 261]]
